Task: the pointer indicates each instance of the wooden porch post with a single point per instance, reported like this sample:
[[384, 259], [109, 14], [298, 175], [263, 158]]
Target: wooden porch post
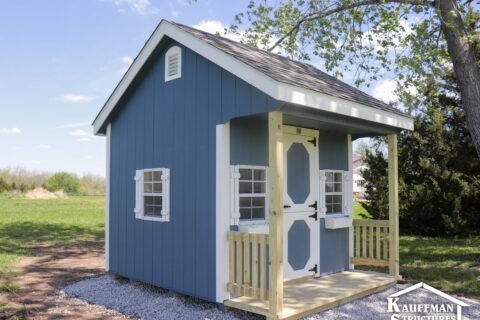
[[275, 194], [394, 265]]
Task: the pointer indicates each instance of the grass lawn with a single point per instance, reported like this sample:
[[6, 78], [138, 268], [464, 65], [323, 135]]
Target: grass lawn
[[359, 212], [25, 222]]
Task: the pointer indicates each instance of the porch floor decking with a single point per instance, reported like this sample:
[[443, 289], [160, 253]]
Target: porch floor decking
[[315, 295]]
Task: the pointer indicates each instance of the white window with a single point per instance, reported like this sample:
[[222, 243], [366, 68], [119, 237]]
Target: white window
[[249, 195], [173, 63], [152, 194], [336, 188]]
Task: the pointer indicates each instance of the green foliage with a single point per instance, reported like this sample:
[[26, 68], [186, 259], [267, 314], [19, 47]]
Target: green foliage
[[439, 171], [65, 181], [4, 186]]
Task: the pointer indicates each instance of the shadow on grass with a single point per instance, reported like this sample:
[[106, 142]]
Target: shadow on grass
[[15, 237]]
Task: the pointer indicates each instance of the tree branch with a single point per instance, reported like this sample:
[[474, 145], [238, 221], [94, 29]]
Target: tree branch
[[317, 15]]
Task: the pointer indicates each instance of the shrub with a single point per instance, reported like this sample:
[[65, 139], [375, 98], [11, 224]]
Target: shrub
[[4, 186], [65, 181]]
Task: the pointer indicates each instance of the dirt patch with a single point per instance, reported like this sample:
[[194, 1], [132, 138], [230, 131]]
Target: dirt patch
[[40, 193], [41, 278]]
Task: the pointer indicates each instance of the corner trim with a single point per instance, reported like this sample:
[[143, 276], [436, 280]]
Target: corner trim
[[107, 199], [222, 210]]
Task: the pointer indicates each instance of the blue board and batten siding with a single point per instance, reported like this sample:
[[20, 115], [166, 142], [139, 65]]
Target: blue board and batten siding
[[334, 246], [172, 125], [249, 146]]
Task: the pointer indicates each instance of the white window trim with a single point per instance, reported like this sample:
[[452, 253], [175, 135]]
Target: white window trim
[[170, 52], [235, 196], [139, 195], [347, 210]]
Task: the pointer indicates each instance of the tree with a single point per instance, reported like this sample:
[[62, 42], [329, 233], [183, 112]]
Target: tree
[[414, 38], [65, 181], [439, 171]]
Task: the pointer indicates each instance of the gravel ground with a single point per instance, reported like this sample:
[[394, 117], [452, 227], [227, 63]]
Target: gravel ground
[[147, 302]]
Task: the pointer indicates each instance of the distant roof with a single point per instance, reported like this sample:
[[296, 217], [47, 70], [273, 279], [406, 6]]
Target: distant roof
[[286, 70], [279, 77]]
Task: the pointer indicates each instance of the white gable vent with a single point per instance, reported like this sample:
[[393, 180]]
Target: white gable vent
[[173, 63]]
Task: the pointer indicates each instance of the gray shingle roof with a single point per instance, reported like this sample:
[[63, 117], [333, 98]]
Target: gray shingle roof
[[288, 71]]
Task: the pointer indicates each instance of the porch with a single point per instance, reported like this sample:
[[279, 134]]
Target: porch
[[259, 268], [313, 295]]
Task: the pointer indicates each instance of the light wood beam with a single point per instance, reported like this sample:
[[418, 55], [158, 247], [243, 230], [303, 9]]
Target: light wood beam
[[394, 258], [275, 182]]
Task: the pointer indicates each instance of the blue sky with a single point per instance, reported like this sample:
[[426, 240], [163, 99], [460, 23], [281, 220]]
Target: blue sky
[[59, 62]]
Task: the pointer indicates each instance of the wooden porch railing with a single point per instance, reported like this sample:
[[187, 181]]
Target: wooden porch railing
[[248, 264], [371, 243]]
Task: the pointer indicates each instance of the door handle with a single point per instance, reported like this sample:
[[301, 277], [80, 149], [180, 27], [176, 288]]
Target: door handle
[[314, 216], [314, 205]]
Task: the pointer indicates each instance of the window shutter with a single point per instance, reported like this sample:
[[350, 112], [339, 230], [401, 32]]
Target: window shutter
[[138, 193], [234, 196], [347, 196], [166, 195], [322, 209]]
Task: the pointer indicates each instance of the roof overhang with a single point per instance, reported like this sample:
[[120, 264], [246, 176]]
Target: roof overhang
[[277, 90]]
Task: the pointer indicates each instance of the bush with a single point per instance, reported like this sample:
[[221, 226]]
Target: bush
[[65, 181], [4, 186]]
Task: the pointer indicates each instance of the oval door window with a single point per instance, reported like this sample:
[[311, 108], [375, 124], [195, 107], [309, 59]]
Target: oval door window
[[298, 173], [298, 245]]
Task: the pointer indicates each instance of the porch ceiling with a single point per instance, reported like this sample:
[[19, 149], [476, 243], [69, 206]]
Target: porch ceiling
[[321, 120], [315, 295]]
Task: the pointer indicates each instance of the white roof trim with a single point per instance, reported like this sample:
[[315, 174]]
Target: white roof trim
[[431, 289], [277, 90]]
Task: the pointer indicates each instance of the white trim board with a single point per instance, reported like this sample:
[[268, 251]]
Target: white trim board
[[222, 209], [277, 90], [107, 200]]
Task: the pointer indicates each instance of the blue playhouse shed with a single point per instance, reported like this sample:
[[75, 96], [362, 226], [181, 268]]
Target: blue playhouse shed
[[229, 177]]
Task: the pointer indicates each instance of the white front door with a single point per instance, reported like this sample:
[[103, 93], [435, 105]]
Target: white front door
[[301, 226]]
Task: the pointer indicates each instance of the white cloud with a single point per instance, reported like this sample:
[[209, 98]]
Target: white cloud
[[84, 139], [10, 130], [79, 133], [216, 27], [70, 97], [136, 6], [127, 61], [74, 125], [384, 90], [174, 12], [43, 146]]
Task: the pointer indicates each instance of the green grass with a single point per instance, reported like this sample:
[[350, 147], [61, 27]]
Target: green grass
[[25, 223], [359, 212], [451, 265]]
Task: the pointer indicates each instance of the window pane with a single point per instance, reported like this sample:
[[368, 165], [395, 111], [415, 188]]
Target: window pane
[[329, 208], [245, 202], [157, 187], [258, 213], [245, 174], [258, 202], [338, 187], [158, 201], [329, 176], [338, 177], [329, 187], [259, 187], [149, 200], [337, 208], [147, 176], [259, 175], [337, 199], [245, 213], [157, 176], [147, 187], [245, 187], [149, 210]]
